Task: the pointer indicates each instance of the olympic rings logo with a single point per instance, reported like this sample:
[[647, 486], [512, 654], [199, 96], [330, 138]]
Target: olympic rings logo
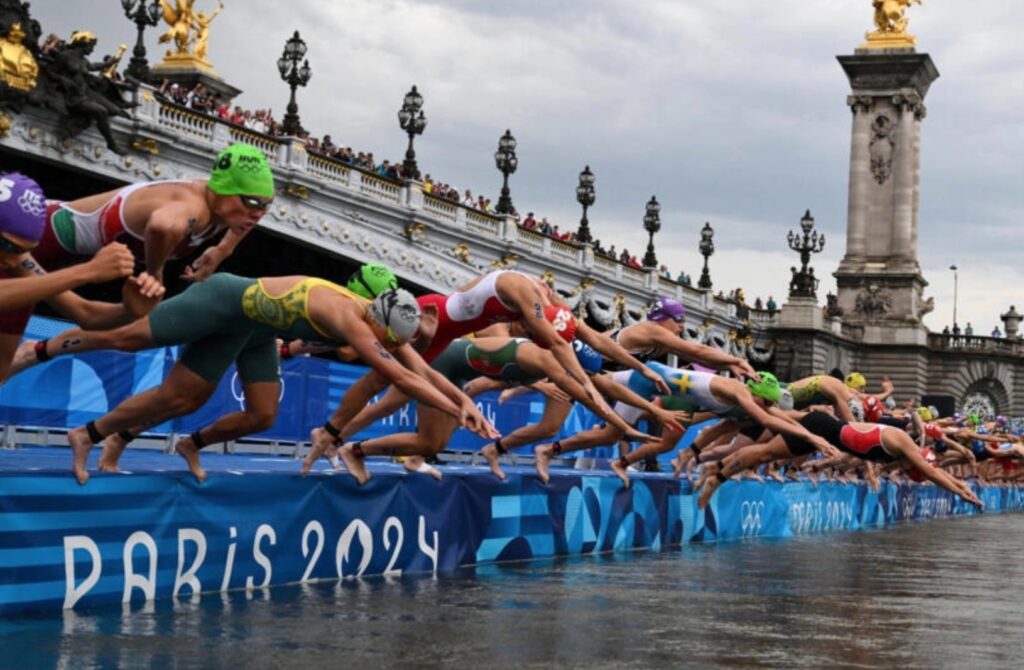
[[751, 512], [32, 204], [238, 393]]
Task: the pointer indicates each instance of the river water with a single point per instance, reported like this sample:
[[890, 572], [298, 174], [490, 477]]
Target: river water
[[940, 594]]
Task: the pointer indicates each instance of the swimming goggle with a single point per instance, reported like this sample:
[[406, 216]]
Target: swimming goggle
[[250, 202]]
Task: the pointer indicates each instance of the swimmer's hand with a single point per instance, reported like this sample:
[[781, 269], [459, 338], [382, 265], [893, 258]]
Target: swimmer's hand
[[659, 383], [471, 419], [824, 447], [141, 294], [674, 420], [111, 262], [201, 268], [552, 391], [743, 370], [634, 435]]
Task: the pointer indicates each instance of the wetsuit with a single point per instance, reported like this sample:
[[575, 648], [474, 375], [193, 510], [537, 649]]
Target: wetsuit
[[905, 422], [642, 356], [70, 234], [978, 446], [230, 318], [464, 361], [691, 392], [465, 312], [808, 393], [842, 435]]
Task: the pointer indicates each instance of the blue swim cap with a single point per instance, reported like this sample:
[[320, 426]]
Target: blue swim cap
[[589, 359]]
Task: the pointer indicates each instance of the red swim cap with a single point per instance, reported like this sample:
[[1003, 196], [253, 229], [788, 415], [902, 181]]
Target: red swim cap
[[872, 409], [562, 320]]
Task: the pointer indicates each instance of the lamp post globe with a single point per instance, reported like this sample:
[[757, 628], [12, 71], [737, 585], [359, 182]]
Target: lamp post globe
[[803, 283], [413, 121], [143, 16], [707, 248], [506, 161], [652, 224], [585, 195], [295, 75]]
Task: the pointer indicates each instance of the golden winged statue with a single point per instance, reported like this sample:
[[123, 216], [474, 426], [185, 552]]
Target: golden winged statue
[[891, 25], [180, 17], [201, 22]]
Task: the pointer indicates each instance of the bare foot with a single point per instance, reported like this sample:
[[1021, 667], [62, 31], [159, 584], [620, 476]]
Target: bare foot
[[187, 449], [417, 464], [708, 490], [320, 441], [24, 358], [113, 447], [355, 465], [678, 465], [542, 455], [490, 452], [774, 474], [80, 443], [620, 470], [709, 471]]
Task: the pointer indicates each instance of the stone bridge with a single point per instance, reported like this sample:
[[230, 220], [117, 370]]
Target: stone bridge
[[343, 211]]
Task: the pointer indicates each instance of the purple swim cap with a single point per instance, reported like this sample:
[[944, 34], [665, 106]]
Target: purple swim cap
[[665, 309], [22, 207]]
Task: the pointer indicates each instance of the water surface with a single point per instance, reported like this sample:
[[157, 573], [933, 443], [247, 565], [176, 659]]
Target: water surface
[[940, 594]]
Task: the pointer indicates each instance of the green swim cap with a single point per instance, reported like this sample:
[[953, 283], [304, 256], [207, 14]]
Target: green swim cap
[[768, 388], [241, 169], [372, 279]]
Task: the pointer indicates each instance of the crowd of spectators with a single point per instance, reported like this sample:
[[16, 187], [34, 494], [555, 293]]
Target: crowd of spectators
[[201, 100]]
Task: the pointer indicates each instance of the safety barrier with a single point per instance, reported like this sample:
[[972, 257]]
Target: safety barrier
[[254, 523]]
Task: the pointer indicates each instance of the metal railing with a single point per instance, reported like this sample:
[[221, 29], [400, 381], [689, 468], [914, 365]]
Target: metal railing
[[968, 343]]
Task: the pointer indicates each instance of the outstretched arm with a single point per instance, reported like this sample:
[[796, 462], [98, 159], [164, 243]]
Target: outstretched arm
[[778, 424], [676, 421], [611, 350], [536, 361], [899, 442], [34, 284], [377, 357], [166, 228], [201, 268], [703, 354]]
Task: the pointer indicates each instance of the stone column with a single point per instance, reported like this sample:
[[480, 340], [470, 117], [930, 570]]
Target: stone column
[[904, 178], [879, 280], [860, 177]]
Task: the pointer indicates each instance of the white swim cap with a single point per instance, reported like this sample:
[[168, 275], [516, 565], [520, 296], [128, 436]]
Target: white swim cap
[[398, 311]]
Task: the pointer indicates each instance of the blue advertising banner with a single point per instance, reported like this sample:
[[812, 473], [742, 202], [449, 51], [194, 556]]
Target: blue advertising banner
[[254, 523], [71, 391]]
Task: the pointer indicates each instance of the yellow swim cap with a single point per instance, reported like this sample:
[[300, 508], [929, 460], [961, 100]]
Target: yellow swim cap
[[856, 381]]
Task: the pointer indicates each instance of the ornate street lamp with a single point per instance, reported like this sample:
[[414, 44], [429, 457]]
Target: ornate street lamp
[[707, 248], [652, 224], [956, 281], [585, 195], [143, 16], [294, 76], [804, 284], [412, 120], [505, 159]]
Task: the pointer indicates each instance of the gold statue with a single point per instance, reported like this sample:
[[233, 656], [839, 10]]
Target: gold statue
[[111, 69], [18, 68], [891, 25], [201, 22], [180, 18]]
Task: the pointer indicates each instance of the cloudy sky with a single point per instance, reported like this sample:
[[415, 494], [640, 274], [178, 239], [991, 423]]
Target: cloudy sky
[[732, 113]]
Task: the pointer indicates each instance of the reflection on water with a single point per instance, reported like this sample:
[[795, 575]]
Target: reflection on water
[[931, 595]]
